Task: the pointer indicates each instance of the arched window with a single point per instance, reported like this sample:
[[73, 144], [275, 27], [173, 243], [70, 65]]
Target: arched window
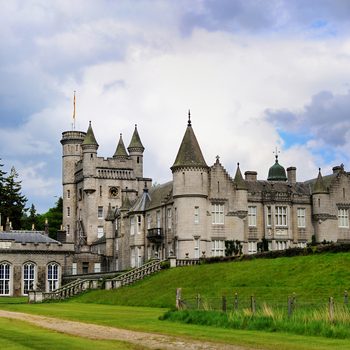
[[52, 276], [4, 279], [28, 277]]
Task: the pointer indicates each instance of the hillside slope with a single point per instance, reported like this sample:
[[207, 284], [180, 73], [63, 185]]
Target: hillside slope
[[312, 278]]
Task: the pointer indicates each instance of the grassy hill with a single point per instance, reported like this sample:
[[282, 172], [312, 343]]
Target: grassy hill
[[312, 278]]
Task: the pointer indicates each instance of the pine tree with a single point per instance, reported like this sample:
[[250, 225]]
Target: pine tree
[[54, 218], [2, 194], [13, 202]]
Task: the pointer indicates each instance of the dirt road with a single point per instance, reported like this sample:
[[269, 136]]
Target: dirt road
[[92, 331]]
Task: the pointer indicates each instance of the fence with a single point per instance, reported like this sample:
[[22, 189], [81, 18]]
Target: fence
[[288, 305]]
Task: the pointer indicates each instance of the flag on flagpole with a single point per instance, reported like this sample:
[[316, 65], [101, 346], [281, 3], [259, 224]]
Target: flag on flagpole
[[74, 107]]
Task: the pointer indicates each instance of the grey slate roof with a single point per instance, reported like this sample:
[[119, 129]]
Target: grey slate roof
[[26, 237], [160, 195], [278, 186]]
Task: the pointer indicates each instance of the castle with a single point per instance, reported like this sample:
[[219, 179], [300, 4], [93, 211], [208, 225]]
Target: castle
[[116, 219]]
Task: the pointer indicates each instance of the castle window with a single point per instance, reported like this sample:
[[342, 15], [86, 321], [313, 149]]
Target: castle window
[[268, 216], [100, 231], [196, 248], [68, 194], [281, 216], [252, 247], [138, 160], [251, 216], [68, 211], [4, 279], [217, 214], [218, 247], [97, 267], [148, 221], [100, 191], [139, 221], [301, 217], [343, 218], [196, 215], [100, 212], [158, 218], [132, 225], [67, 229], [74, 268], [28, 277], [52, 276], [169, 218]]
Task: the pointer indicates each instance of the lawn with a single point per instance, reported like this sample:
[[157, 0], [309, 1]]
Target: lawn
[[147, 319]]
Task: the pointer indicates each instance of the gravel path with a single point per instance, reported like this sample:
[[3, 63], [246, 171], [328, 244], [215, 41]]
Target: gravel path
[[92, 331]]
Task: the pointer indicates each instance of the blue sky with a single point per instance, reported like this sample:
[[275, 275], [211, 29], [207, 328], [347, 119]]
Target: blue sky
[[255, 74]]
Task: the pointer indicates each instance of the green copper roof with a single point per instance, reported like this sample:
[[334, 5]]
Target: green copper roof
[[120, 151], [277, 172], [189, 154], [319, 186], [238, 180], [136, 141], [90, 137]]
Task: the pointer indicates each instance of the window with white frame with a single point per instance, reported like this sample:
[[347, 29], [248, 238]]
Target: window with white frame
[[139, 222], [196, 215], [100, 231], [268, 216], [252, 247], [97, 267], [52, 276], [343, 218], [28, 277], [281, 216], [196, 248], [217, 214], [100, 212], [301, 217], [158, 218], [132, 225], [148, 221], [74, 268], [169, 218], [4, 279], [218, 247], [251, 216]]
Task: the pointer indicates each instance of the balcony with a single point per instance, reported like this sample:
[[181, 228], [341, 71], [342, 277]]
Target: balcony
[[155, 235]]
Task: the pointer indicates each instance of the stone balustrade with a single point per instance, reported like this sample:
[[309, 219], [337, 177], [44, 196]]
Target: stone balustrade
[[187, 262]]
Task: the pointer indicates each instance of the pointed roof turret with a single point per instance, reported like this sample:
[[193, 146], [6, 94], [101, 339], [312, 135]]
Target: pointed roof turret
[[126, 205], [110, 213], [189, 154], [319, 186], [135, 143], [142, 203], [120, 151], [238, 180], [89, 138]]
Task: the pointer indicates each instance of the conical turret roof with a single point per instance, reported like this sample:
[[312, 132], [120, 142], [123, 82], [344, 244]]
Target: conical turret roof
[[319, 186], [110, 213], [189, 154], [277, 172], [238, 180], [135, 143], [89, 138], [120, 151]]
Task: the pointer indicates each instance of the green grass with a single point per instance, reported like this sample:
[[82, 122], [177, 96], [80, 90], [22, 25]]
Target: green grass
[[313, 278], [17, 335], [147, 319]]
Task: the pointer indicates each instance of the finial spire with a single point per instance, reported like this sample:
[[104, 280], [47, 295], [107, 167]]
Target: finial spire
[[276, 151], [189, 118]]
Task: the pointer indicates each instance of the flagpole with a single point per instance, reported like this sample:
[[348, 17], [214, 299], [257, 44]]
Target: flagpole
[[74, 111]]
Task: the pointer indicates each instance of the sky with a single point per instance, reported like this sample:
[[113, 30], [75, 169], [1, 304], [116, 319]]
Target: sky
[[256, 75]]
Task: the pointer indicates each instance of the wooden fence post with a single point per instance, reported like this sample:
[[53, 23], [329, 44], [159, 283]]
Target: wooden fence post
[[252, 304], [331, 309], [198, 301], [346, 297], [178, 298], [224, 306], [236, 302]]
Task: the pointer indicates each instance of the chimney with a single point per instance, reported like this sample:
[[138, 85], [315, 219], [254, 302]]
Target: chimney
[[292, 175], [337, 169], [46, 227], [250, 175], [8, 225]]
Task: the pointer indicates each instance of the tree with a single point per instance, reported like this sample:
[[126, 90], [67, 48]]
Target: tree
[[12, 203], [29, 220], [2, 194], [54, 217]]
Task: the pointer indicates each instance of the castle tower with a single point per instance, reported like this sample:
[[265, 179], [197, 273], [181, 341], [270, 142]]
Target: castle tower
[[136, 153], [71, 153], [320, 208], [89, 149], [110, 231], [190, 193]]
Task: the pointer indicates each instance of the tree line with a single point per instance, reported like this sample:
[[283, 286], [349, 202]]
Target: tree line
[[13, 207]]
